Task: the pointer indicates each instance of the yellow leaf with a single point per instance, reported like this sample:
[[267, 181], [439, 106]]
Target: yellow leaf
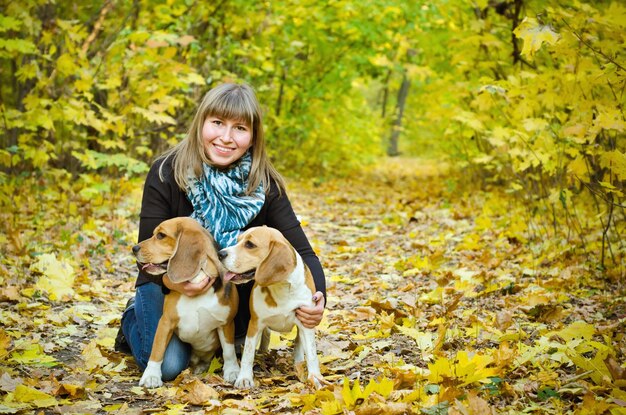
[[66, 65], [469, 119], [74, 391], [198, 393], [424, 340], [577, 132], [616, 162], [381, 60], [534, 36], [175, 409], [280, 340], [34, 355], [535, 124], [579, 168], [351, 395], [153, 116], [33, 396], [93, 357], [318, 399], [467, 370], [439, 370], [331, 408], [473, 369], [5, 342], [383, 388], [138, 390], [432, 297], [593, 405], [610, 119], [477, 405], [344, 279], [57, 279], [576, 330], [599, 373], [301, 371], [215, 365]]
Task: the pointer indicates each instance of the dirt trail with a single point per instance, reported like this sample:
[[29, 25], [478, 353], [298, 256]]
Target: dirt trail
[[436, 298]]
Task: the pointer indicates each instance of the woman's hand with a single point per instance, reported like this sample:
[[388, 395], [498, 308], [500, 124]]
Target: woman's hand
[[190, 289], [312, 316]]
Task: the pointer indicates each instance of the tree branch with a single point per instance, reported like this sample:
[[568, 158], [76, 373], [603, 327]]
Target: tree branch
[[602, 196], [598, 51], [97, 27]]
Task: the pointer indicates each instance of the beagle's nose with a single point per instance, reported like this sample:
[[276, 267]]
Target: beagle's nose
[[222, 254], [136, 249]]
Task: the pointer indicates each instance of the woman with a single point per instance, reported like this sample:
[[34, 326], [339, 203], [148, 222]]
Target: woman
[[220, 175]]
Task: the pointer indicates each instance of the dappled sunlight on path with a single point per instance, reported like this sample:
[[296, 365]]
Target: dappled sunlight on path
[[439, 298]]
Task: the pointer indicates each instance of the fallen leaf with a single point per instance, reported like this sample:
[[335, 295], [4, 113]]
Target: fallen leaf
[[197, 392]]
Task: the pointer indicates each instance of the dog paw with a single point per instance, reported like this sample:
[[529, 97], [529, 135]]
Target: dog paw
[[244, 382], [150, 381], [231, 374], [317, 381]]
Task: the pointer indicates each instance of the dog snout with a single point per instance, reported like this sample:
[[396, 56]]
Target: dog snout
[[222, 254], [136, 249]]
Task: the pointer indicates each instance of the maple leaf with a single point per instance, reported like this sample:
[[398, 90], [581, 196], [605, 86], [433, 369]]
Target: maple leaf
[[34, 397], [616, 162], [197, 392], [355, 396], [34, 354], [424, 340], [5, 342], [464, 368], [93, 357], [576, 330], [57, 279], [331, 407], [534, 36]]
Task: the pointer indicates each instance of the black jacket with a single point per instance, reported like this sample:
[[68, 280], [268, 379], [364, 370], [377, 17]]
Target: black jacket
[[164, 199]]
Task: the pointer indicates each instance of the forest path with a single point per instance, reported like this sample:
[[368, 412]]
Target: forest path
[[437, 300]]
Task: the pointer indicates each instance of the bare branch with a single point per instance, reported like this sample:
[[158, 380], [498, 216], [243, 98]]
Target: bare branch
[[97, 27], [595, 50]]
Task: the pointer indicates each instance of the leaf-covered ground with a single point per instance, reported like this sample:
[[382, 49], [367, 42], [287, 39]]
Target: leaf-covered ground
[[440, 300]]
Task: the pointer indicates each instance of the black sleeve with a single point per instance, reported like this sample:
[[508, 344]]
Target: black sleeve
[[156, 206], [281, 216]]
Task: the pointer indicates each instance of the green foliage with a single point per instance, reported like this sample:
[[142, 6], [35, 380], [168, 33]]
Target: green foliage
[[125, 77], [532, 97], [523, 92]]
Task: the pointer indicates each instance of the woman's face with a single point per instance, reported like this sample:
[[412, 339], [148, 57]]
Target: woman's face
[[225, 141]]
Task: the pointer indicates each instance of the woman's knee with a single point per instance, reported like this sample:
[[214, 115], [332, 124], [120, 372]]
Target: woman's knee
[[176, 359]]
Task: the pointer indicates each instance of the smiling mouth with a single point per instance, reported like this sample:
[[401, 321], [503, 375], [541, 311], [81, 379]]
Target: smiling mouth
[[239, 278], [154, 269], [222, 149]]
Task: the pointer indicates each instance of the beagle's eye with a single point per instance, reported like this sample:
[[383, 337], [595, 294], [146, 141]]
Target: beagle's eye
[[249, 245], [160, 235]]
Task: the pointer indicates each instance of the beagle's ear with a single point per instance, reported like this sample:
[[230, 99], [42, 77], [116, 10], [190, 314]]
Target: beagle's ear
[[188, 256], [213, 267], [277, 265]]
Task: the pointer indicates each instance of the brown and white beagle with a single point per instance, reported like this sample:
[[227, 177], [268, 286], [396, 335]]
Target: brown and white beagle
[[186, 251], [282, 283]]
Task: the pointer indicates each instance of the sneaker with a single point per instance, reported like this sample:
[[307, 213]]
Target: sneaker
[[121, 344]]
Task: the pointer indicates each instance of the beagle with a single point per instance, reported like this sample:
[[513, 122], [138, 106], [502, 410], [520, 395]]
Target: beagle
[[184, 250], [282, 283]]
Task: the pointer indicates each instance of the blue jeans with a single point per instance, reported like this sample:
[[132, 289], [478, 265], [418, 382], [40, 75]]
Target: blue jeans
[[139, 324]]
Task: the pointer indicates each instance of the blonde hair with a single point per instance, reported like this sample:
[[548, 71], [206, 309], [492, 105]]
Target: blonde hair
[[233, 102]]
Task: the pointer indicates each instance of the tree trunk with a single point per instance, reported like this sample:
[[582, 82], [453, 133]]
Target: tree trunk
[[392, 149], [281, 91], [517, 56], [385, 94]]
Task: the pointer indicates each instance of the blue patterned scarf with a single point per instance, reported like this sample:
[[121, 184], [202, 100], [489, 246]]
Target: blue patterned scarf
[[219, 201]]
